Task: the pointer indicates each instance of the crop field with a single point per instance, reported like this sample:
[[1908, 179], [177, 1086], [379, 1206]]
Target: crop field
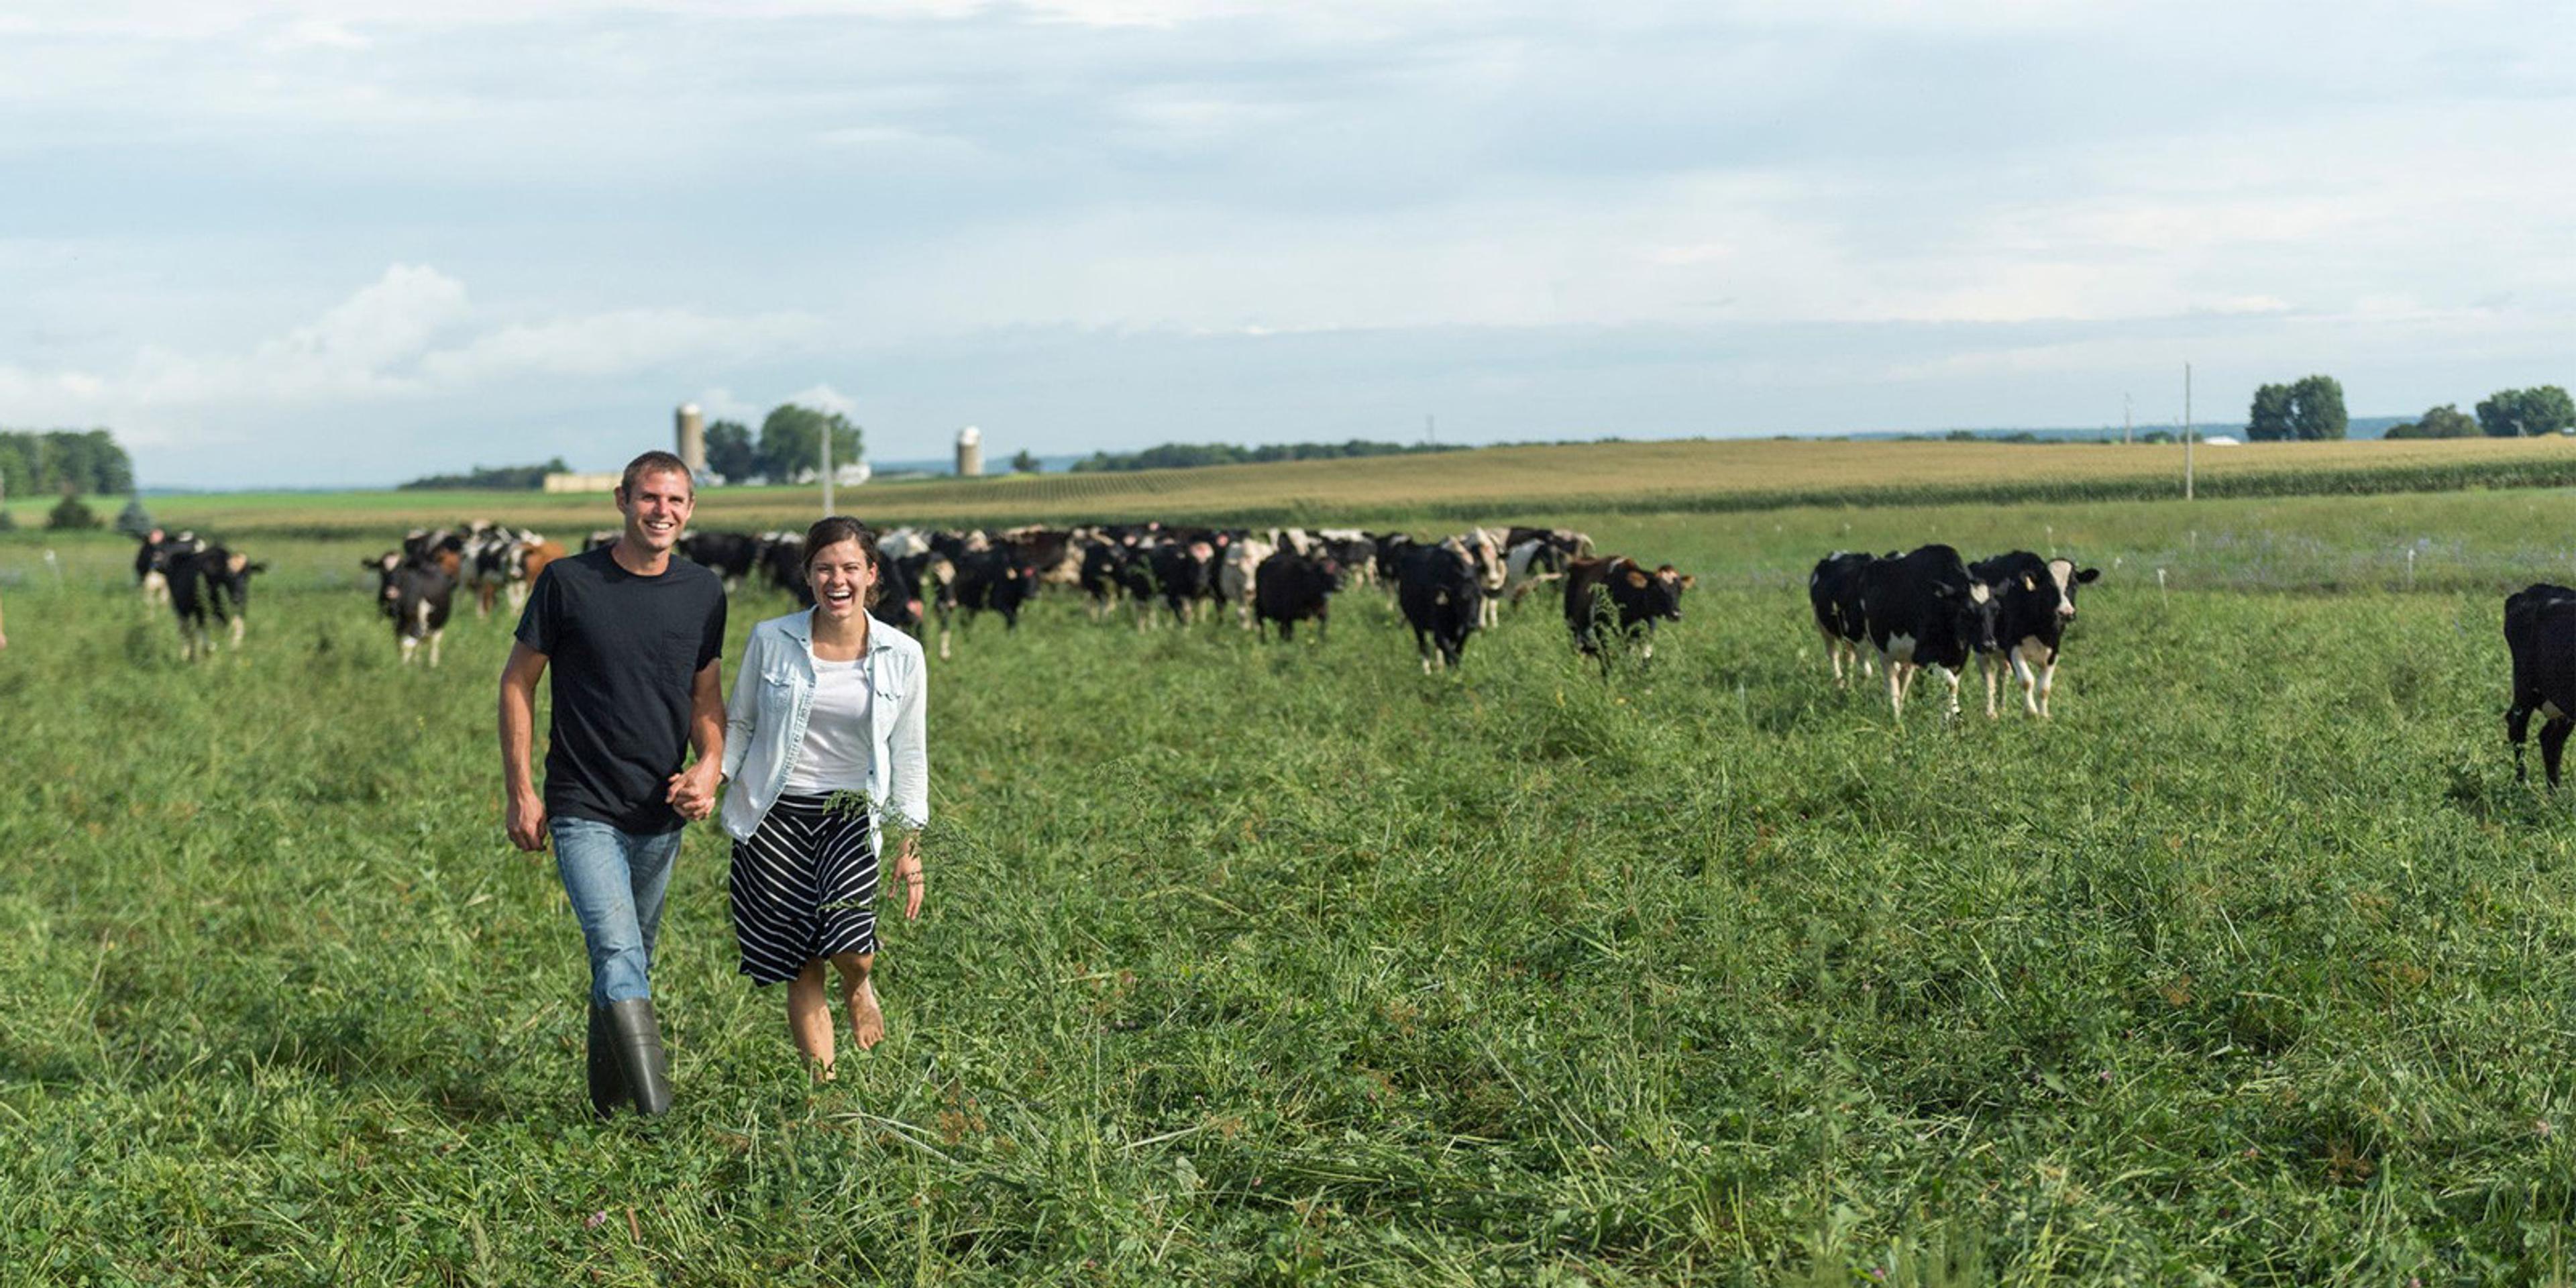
[[1252, 963], [1629, 478]]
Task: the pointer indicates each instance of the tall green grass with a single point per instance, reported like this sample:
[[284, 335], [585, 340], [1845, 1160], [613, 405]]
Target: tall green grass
[[1254, 963]]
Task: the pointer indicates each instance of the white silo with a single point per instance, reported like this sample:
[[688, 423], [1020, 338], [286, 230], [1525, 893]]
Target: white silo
[[693, 437], [970, 452]]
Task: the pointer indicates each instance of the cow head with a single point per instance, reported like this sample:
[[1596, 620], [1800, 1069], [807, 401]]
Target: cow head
[[2063, 580], [1977, 608], [1655, 596]]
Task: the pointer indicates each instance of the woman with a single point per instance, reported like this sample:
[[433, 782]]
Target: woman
[[824, 731]]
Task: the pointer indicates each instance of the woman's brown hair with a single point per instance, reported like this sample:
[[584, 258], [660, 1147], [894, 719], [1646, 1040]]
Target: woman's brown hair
[[832, 531]]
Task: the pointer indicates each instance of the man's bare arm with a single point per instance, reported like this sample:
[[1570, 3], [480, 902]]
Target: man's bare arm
[[526, 817]]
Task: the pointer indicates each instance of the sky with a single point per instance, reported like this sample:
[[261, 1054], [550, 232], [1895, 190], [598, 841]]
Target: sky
[[348, 243]]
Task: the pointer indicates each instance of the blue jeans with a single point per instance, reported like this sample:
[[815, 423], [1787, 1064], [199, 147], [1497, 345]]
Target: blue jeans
[[615, 879]]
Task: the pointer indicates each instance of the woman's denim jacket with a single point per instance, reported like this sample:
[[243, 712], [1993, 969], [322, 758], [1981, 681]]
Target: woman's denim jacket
[[773, 693]]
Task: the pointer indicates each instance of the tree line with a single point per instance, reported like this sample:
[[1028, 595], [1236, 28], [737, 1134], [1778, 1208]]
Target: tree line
[[63, 460], [1170, 456], [2312, 409], [489, 478]]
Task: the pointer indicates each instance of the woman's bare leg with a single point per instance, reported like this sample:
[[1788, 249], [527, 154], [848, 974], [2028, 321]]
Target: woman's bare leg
[[859, 994], [809, 1019]]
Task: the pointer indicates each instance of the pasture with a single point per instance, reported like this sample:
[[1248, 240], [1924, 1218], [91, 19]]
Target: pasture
[[1251, 963]]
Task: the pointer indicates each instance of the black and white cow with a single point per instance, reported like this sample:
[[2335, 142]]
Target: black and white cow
[[2540, 634], [1923, 608], [1238, 574], [1615, 595], [730, 555], [782, 562], [2037, 603], [207, 581], [158, 546], [1442, 600], [1484, 547], [1289, 588], [1833, 591], [1103, 576], [1185, 575], [992, 579], [417, 593], [1530, 564]]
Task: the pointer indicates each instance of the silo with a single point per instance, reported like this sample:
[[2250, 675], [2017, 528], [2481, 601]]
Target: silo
[[693, 437], [970, 452]]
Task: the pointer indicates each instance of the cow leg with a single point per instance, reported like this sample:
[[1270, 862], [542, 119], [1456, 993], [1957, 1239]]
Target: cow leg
[[1833, 653], [2517, 725], [519, 592], [482, 600], [405, 646], [2553, 740], [1287, 629], [943, 640], [1953, 678], [1895, 691], [2047, 681], [434, 637]]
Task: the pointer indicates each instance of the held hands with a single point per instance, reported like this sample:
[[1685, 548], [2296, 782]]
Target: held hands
[[692, 791], [527, 821]]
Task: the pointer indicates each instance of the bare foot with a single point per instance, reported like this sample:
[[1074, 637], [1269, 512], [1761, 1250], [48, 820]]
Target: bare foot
[[822, 1072], [867, 1023]]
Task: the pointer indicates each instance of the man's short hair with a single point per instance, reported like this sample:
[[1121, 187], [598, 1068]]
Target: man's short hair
[[655, 462]]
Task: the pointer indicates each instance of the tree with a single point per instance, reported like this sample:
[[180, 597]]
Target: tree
[[2445, 421], [2269, 420], [729, 451], [2525, 413], [1024, 463], [2319, 414], [134, 521], [70, 513], [791, 442]]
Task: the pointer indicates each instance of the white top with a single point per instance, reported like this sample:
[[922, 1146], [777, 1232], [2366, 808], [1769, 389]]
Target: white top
[[834, 754]]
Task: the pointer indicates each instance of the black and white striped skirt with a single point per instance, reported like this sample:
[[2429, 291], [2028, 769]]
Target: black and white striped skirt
[[804, 887]]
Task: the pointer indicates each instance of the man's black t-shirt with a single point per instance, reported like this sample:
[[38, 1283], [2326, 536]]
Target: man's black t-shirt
[[624, 651]]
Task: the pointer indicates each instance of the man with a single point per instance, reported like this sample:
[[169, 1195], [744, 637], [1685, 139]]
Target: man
[[633, 635]]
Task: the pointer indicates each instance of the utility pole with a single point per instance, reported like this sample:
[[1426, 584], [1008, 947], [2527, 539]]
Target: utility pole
[[2186, 431], [827, 469], [1430, 431], [2124, 420]]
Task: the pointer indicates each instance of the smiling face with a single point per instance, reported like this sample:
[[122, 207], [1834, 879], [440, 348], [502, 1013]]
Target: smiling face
[[841, 575], [656, 509]]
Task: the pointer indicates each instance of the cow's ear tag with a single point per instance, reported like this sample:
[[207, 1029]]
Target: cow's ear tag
[[1637, 579], [2027, 583]]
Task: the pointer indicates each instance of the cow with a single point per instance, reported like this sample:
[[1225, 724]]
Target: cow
[[1615, 594], [1354, 550], [1833, 591], [1442, 600], [1104, 567], [1054, 555], [417, 594], [900, 603], [2036, 603], [730, 555], [1531, 564], [1576, 545], [1238, 573], [207, 581], [600, 537], [1923, 608], [1184, 574], [1392, 548], [148, 557], [1484, 546], [782, 561], [1289, 588], [2540, 635], [990, 579]]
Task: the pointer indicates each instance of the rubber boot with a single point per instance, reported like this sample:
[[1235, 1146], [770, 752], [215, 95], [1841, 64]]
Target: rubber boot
[[638, 1039], [608, 1092]]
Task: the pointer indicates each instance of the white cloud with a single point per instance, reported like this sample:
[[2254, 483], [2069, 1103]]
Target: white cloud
[[824, 398]]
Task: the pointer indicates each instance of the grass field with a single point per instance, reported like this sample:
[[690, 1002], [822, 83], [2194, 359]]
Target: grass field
[[1289, 964], [1629, 478]]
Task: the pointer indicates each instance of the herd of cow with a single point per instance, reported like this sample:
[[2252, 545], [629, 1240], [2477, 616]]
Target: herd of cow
[[1922, 608]]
